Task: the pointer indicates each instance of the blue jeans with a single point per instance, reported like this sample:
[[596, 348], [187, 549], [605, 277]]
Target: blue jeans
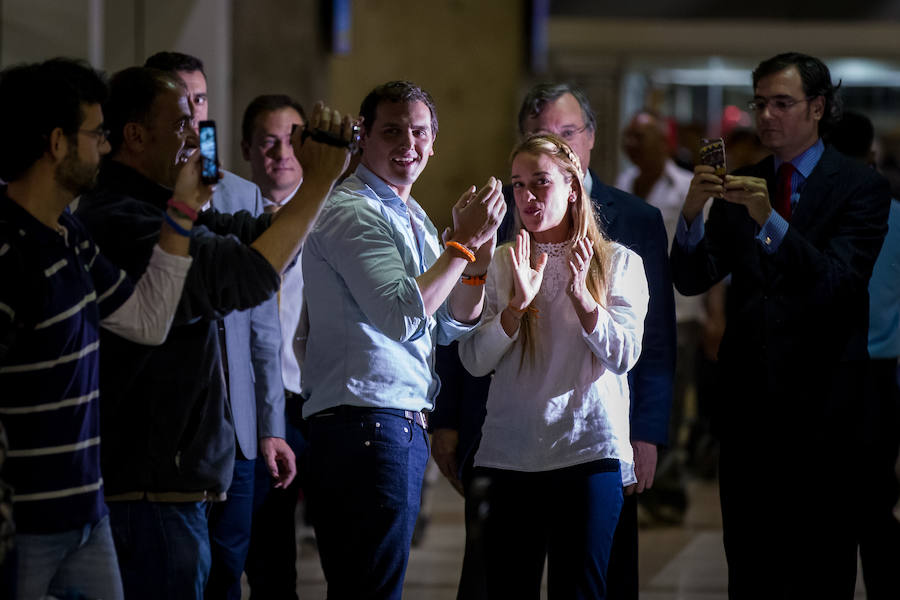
[[229, 533], [163, 548], [567, 516], [78, 561], [366, 469]]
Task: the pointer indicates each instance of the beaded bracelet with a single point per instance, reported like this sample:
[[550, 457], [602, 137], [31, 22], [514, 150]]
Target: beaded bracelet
[[175, 226], [465, 251], [519, 313]]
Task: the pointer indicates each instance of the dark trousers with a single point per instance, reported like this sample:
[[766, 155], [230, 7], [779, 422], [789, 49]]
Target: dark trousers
[[365, 481], [229, 534], [879, 542], [272, 561], [789, 523], [622, 583], [566, 516], [162, 547]]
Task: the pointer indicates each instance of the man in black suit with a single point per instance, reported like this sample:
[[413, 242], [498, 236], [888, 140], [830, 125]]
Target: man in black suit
[[459, 410], [799, 247]]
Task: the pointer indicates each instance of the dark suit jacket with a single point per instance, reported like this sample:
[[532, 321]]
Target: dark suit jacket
[[631, 222], [795, 341]]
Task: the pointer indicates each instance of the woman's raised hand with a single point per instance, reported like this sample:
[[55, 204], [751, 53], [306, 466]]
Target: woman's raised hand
[[526, 279]]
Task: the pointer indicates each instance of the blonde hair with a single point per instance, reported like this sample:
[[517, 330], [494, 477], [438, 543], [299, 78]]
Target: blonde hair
[[583, 219]]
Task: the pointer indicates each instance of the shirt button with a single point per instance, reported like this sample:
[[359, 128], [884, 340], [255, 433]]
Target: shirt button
[[768, 241], [377, 424], [367, 443]]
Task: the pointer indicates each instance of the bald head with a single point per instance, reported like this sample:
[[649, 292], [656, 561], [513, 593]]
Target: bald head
[[644, 140]]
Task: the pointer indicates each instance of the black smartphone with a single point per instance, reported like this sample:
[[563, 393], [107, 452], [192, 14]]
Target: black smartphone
[[209, 153]]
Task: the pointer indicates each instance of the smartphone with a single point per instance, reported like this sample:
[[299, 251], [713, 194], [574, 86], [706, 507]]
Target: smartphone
[[209, 153], [712, 153]]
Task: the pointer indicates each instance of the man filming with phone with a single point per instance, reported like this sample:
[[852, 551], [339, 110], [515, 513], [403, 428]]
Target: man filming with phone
[[250, 342], [170, 444], [798, 233]]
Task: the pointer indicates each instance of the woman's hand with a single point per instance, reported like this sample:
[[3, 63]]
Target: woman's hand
[[526, 280], [579, 264]]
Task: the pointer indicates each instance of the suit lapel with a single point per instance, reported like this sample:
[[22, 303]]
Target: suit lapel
[[604, 203], [816, 191]]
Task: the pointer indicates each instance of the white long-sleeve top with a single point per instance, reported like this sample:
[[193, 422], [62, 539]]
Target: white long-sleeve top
[[571, 405]]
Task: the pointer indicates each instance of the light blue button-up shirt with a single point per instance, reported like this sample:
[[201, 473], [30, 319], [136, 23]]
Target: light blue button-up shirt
[[370, 342], [772, 233]]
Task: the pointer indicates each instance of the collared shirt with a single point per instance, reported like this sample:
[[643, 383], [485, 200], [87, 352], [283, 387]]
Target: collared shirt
[[370, 341], [775, 228], [290, 305]]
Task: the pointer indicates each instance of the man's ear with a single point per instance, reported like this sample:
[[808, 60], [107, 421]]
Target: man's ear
[[245, 150], [58, 145], [134, 137], [818, 106]]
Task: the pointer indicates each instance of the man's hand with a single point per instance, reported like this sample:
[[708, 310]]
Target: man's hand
[[705, 185], [188, 187], [752, 193], [444, 443], [477, 215], [279, 459], [644, 466], [320, 160]]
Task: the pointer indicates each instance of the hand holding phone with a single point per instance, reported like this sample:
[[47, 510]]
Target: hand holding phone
[[712, 154], [209, 153]]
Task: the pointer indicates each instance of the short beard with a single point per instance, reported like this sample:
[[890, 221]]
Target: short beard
[[75, 176]]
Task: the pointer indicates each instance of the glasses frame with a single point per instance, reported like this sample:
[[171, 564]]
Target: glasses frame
[[758, 105], [101, 135]]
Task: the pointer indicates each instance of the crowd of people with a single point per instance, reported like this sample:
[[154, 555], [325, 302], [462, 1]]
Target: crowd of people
[[179, 358]]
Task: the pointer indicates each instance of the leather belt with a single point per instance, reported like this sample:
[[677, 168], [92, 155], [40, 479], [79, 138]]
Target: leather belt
[[345, 410]]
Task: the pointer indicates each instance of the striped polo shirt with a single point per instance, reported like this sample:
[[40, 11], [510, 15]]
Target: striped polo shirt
[[56, 287]]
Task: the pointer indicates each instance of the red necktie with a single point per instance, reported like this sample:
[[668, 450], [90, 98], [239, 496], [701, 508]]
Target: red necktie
[[783, 195]]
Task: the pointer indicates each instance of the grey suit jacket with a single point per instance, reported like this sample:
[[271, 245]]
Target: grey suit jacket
[[253, 343]]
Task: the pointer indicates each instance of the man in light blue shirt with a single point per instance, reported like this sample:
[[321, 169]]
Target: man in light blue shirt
[[380, 293]]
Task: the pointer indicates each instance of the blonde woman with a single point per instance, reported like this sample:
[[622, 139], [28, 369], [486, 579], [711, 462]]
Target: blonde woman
[[563, 323]]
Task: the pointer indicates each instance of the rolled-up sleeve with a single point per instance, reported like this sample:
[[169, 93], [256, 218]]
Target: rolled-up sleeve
[[616, 340]]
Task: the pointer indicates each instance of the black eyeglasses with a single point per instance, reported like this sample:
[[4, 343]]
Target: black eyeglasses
[[777, 106], [101, 135]]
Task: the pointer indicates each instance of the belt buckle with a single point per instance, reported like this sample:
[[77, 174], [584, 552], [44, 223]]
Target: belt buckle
[[416, 417]]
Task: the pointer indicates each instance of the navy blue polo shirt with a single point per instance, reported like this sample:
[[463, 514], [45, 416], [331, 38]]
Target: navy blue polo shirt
[[55, 287]]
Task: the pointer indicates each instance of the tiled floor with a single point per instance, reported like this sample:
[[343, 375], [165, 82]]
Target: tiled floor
[[677, 563]]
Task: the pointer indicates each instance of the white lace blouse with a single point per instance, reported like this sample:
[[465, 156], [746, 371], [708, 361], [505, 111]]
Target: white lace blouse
[[570, 405]]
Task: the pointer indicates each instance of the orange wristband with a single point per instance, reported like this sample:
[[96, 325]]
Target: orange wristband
[[474, 279], [465, 251]]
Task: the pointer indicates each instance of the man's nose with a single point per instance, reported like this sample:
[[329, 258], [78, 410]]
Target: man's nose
[[191, 139]]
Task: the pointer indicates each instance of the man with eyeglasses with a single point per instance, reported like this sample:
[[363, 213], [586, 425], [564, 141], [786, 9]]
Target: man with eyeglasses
[[798, 233], [58, 291], [565, 110]]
